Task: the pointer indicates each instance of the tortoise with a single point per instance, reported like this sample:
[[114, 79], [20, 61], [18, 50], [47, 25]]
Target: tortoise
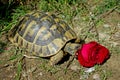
[[45, 35]]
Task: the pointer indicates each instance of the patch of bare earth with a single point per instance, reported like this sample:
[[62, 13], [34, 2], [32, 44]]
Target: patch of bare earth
[[110, 32]]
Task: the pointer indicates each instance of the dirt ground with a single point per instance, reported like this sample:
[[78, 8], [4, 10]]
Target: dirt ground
[[13, 66]]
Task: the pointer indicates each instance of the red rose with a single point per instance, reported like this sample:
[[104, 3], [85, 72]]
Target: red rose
[[91, 54]]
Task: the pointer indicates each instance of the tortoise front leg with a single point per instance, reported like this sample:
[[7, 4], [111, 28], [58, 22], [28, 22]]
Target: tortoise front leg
[[57, 57], [78, 40]]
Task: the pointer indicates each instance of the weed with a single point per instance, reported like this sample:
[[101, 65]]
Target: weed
[[15, 57], [19, 70], [105, 75], [105, 6], [48, 68]]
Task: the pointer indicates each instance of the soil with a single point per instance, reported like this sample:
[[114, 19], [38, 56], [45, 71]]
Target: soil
[[13, 66]]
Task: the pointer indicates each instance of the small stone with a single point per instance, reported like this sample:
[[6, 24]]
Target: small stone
[[40, 73], [84, 77], [118, 25], [117, 35], [89, 70], [104, 36], [75, 68], [114, 44], [96, 77], [106, 25]]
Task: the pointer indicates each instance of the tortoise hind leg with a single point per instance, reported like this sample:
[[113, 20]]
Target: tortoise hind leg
[[56, 58]]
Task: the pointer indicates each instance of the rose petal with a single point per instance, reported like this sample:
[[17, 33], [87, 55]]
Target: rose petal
[[103, 54], [84, 63]]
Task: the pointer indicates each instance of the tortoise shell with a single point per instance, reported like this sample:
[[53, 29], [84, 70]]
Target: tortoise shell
[[41, 33]]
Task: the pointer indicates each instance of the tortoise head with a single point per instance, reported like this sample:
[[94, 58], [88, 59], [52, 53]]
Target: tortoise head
[[71, 48]]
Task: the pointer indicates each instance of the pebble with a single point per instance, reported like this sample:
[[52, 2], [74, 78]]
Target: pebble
[[106, 25], [89, 70], [104, 36], [118, 25], [96, 77], [84, 77], [75, 68], [40, 73]]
